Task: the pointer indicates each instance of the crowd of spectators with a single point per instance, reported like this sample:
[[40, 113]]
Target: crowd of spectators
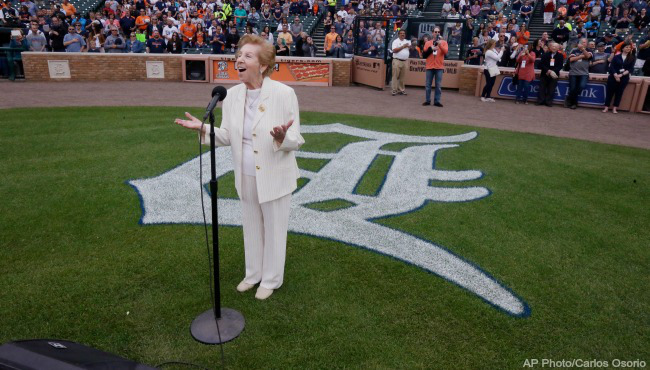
[[163, 26]]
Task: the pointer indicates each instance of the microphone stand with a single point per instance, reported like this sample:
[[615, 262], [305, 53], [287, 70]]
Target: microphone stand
[[216, 325]]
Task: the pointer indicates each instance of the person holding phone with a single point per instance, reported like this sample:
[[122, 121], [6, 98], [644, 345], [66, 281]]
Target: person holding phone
[[434, 53], [525, 72]]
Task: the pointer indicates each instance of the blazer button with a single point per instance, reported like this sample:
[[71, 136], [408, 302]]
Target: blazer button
[[255, 151], [254, 135], [258, 167]]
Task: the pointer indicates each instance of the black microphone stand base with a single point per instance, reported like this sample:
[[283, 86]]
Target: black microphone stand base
[[204, 328]]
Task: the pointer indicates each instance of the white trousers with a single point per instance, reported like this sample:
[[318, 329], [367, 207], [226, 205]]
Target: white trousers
[[548, 17], [265, 236]]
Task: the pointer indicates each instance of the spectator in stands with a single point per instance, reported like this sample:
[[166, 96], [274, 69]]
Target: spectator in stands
[[253, 18], [218, 41], [188, 30], [414, 50], [434, 51], [338, 48], [475, 10], [561, 33], [644, 56], [133, 45], [127, 24], [156, 44], [18, 42], [368, 48], [400, 48], [200, 37], [283, 22], [446, 9], [240, 15], [153, 25], [526, 12], [492, 57], [620, 69], [296, 28], [592, 27], [340, 26], [474, 53], [73, 42], [516, 6], [525, 71], [623, 22], [599, 63], [58, 30], [232, 39], [277, 12], [95, 40], [286, 36], [175, 44], [455, 34], [549, 10], [550, 67], [35, 38], [169, 30], [578, 73], [309, 49], [114, 42], [143, 20], [329, 40], [349, 44], [68, 8], [642, 19], [378, 34], [281, 48], [269, 34]]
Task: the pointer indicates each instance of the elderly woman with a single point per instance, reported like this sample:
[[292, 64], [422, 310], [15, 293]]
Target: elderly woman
[[265, 166]]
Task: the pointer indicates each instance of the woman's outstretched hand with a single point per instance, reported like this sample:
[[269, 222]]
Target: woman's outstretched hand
[[279, 132], [191, 123]]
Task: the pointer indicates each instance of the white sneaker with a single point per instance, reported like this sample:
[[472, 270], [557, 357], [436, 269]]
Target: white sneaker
[[263, 293], [242, 287], [491, 100], [483, 99]]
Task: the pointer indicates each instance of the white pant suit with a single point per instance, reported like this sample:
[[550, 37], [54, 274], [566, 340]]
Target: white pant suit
[[265, 172]]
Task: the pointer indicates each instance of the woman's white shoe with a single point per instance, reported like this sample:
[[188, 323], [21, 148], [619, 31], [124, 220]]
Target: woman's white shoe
[[242, 287], [263, 293]]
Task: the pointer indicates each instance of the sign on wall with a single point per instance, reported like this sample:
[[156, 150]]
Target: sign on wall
[[416, 73], [593, 94], [292, 71], [369, 71]]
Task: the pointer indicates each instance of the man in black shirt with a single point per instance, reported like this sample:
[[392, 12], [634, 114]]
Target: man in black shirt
[[58, 30], [560, 33], [156, 44], [550, 67]]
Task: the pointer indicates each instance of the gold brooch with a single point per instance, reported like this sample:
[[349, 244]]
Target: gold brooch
[[262, 108]]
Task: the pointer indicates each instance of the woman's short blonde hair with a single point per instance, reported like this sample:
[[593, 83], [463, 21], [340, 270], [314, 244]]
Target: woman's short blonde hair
[[266, 55]]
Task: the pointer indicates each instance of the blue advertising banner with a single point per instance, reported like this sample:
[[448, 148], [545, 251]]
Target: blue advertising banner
[[593, 94]]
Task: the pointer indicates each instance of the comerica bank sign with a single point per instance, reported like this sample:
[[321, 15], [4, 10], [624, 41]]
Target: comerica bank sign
[[593, 94]]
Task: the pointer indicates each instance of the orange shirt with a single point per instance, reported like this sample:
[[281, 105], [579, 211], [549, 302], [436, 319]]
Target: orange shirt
[[69, 9], [142, 21], [188, 31], [521, 39], [329, 40], [436, 61]]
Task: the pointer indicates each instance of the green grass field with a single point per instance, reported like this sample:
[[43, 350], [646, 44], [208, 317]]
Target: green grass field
[[566, 227]]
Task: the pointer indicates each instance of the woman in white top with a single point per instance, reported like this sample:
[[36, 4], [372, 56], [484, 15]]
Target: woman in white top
[[492, 56], [264, 163]]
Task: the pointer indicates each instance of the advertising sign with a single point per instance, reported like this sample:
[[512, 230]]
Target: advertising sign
[[416, 73], [593, 94], [292, 71], [369, 71]]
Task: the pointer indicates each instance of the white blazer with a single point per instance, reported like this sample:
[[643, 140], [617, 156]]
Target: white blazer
[[276, 169]]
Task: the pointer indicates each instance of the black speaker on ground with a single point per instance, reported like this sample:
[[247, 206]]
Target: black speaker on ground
[[54, 354], [195, 70]]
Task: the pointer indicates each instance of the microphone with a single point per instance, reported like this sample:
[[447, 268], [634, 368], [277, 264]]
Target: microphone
[[218, 94]]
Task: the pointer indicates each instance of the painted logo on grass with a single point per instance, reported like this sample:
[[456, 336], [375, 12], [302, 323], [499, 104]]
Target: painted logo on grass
[[406, 188]]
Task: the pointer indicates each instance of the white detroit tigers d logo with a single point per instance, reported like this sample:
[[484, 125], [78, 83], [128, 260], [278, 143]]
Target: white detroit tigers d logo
[[406, 188]]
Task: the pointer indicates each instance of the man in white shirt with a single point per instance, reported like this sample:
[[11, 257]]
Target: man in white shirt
[[342, 13], [400, 48], [169, 30]]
